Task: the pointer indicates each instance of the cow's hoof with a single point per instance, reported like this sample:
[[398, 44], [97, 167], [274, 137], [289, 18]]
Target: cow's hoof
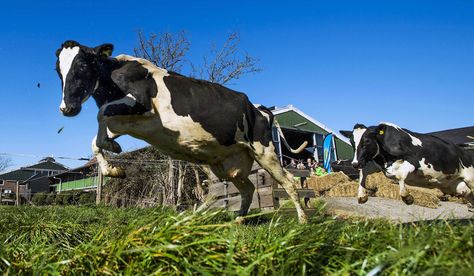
[[363, 199], [302, 218], [114, 147], [239, 220], [408, 199], [115, 172]]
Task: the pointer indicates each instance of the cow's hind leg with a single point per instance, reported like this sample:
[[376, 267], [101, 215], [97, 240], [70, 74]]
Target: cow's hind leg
[[467, 192], [246, 189], [468, 176], [104, 166], [266, 157]]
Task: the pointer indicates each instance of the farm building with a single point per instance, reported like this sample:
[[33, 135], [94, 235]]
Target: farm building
[[30, 179], [81, 178], [299, 127]]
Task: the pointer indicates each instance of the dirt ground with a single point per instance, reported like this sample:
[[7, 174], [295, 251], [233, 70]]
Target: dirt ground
[[395, 210]]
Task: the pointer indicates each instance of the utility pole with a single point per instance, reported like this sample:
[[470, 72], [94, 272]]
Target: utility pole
[[99, 185]]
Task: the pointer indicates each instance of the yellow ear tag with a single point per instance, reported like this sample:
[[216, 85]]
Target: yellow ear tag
[[381, 132], [107, 53]]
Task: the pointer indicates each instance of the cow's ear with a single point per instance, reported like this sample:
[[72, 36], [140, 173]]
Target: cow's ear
[[346, 133], [104, 50]]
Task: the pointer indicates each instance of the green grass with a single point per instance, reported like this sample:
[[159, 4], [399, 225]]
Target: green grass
[[102, 240]]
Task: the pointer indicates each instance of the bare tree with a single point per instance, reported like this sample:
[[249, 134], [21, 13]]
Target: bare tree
[[226, 64], [221, 65], [5, 162], [165, 50]]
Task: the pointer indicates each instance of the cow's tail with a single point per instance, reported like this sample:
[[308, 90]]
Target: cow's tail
[[299, 149]]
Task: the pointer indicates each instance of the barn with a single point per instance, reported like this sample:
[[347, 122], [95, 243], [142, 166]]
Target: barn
[[298, 127]]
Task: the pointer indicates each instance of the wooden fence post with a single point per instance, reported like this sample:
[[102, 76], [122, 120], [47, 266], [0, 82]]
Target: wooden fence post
[[99, 186], [17, 202]]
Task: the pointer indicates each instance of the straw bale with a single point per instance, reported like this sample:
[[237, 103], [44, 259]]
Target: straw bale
[[376, 179], [348, 189], [324, 183], [338, 184], [451, 198], [422, 197]]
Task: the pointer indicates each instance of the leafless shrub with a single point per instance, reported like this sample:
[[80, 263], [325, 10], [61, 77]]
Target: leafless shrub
[[165, 50], [5, 162], [226, 64]]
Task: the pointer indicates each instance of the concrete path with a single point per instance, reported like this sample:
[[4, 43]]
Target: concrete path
[[394, 209]]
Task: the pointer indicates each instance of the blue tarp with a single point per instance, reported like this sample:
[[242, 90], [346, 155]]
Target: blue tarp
[[328, 151]]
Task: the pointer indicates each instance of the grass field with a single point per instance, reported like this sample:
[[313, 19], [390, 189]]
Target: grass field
[[102, 240]]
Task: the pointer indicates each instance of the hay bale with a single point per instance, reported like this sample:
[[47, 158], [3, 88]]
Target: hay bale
[[454, 198], [388, 188], [377, 184], [324, 183], [423, 197], [376, 179], [348, 189]]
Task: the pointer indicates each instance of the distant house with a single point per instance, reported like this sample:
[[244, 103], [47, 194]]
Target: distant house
[[29, 179]]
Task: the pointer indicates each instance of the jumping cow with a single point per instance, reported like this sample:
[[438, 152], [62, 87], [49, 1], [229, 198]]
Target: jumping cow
[[415, 159], [185, 118]]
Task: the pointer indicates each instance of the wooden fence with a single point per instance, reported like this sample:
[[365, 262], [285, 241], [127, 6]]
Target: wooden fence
[[267, 191]]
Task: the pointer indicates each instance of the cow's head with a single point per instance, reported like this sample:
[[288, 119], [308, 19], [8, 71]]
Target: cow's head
[[77, 68], [364, 141]]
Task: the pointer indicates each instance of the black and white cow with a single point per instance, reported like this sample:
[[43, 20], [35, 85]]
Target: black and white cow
[[188, 119], [415, 159]]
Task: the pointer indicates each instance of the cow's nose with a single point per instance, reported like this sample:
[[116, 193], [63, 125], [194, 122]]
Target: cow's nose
[[69, 111], [355, 164]]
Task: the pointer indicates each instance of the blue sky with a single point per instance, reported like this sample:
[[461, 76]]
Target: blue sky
[[342, 62]]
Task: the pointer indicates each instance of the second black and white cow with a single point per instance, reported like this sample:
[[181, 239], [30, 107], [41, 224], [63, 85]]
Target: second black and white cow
[[411, 158], [188, 119]]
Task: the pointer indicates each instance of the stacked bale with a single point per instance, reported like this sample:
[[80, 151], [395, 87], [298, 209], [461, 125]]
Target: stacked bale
[[322, 184], [340, 185], [388, 188], [348, 189]]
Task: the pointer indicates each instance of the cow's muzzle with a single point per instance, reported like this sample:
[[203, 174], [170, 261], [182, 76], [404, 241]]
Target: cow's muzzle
[[356, 165], [70, 111]]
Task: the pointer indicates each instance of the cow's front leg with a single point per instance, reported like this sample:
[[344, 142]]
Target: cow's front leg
[[406, 196], [401, 169], [362, 195], [103, 140], [104, 166]]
